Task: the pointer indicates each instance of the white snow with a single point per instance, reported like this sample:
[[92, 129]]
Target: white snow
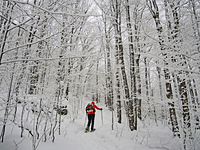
[[147, 137]]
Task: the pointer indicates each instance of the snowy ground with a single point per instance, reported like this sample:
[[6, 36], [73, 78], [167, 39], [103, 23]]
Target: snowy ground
[[104, 138]]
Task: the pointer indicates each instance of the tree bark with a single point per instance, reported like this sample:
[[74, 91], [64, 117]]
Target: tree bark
[[153, 7]]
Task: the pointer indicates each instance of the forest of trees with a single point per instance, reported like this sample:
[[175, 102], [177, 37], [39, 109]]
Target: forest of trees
[[139, 56]]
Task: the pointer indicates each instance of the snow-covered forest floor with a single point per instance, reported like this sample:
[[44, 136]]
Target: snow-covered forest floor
[[144, 54], [148, 137]]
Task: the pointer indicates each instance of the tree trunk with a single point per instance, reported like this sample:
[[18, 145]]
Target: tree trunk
[[34, 68], [5, 25], [109, 84], [22, 118], [97, 82], [197, 102], [119, 48], [194, 106], [147, 93], [117, 73], [109, 75], [153, 7], [133, 113], [6, 114]]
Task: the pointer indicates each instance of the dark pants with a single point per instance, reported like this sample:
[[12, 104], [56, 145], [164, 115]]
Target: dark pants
[[91, 120]]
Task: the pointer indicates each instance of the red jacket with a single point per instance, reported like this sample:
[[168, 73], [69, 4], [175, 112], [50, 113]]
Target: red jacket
[[94, 108]]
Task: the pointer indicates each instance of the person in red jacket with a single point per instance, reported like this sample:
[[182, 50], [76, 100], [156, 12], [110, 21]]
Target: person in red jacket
[[91, 115]]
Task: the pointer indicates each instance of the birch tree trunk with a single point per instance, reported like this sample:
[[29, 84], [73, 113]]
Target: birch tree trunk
[[34, 68], [180, 60], [109, 81], [133, 109], [97, 81], [147, 85], [196, 104], [193, 91], [153, 7], [116, 6]]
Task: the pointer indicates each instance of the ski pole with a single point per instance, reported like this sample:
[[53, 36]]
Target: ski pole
[[102, 117], [85, 119]]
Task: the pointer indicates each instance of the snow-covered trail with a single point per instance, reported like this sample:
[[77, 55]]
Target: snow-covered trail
[[73, 136], [104, 138]]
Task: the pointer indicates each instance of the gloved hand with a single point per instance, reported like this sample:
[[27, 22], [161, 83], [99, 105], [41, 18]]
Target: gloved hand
[[101, 108]]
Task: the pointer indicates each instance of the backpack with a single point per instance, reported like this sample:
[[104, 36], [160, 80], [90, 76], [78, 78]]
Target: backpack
[[89, 108]]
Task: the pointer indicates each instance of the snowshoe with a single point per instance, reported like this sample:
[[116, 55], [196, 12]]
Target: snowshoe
[[86, 130], [93, 130]]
